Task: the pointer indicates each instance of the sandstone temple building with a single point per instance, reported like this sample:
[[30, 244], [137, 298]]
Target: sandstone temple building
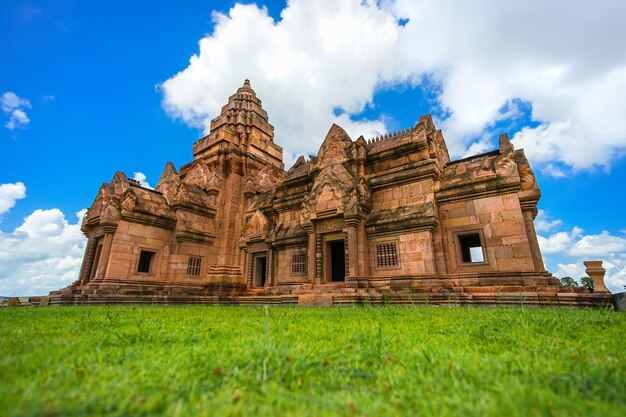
[[389, 219]]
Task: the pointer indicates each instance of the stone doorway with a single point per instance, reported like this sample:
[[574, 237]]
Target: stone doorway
[[335, 261], [259, 272]]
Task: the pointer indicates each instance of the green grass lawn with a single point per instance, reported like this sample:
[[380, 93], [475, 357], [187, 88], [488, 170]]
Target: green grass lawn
[[206, 361]]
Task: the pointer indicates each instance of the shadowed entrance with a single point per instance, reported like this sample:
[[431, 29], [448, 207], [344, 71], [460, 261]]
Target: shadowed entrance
[[337, 260], [260, 270]]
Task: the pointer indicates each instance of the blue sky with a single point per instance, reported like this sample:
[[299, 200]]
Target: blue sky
[[89, 88]]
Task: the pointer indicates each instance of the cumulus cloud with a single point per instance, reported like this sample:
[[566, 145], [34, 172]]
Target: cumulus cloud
[[323, 58], [559, 242], [141, 177], [486, 54], [543, 222], [14, 107], [574, 247], [598, 245], [44, 253], [327, 55], [9, 194]]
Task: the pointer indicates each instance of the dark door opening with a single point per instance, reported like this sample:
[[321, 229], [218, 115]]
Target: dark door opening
[[260, 271], [338, 261]]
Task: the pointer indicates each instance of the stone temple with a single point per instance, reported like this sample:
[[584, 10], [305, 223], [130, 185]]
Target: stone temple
[[389, 219]]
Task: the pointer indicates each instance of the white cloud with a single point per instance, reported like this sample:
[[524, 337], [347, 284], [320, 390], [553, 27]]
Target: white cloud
[[9, 194], [577, 247], [325, 55], [543, 222], [321, 56], [572, 270], [14, 106], [42, 254], [486, 53], [141, 177], [11, 101], [598, 245], [559, 242]]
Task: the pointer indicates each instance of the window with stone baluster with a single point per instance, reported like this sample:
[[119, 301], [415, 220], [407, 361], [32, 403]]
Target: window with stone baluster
[[298, 263], [387, 255], [194, 265]]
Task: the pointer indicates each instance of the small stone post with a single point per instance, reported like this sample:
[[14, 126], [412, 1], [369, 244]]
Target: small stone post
[[596, 272]]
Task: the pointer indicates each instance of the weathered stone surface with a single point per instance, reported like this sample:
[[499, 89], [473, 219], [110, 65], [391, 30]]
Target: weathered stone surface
[[619, 301], [385, 220]]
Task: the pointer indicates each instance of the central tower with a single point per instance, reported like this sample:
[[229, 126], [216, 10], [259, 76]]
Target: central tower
[[242, 125], [241, 156]]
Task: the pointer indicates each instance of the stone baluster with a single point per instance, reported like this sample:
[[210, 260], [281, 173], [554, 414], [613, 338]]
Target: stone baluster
[[596, 272]]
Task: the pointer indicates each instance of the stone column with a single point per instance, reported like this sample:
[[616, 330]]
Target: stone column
[[312, 256], [269, 265], [535, 251], [352, 256], [250, 266], [596, 272], [85, 269], [103, 263], [318, 259]]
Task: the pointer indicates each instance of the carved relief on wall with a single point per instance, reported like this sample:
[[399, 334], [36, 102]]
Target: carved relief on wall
[[505, 164], [129, 200], [305, 212], [352, 205], [330, 225], [365, 195], [526, 174]]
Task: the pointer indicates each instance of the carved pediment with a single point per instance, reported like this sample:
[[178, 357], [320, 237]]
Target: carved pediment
[[262, 181], [257, 226], [204, 177], [331, 190], [119, 183], [169, 181], [191, 227], [267, 178], [106, 206], [336, 148], [333, 177]]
